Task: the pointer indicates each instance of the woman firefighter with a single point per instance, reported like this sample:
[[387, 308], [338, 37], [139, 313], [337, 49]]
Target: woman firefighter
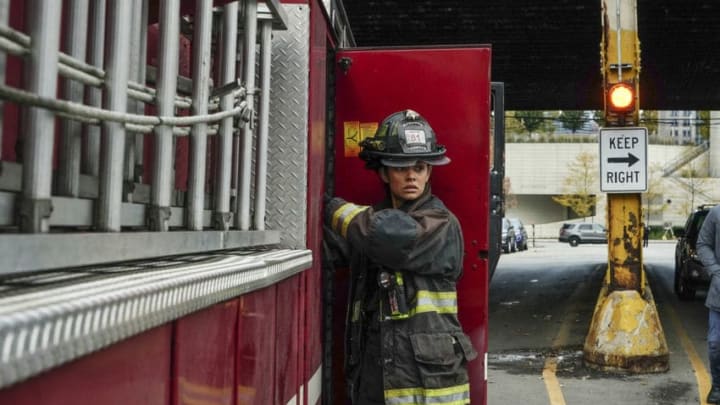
[[404, 343]]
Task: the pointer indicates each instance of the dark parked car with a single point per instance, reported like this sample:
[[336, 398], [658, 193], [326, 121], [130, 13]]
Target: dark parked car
[[690, 275], [521, 236], [508, 241], [582, 232]]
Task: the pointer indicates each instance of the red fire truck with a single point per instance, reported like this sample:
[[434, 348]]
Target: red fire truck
[[162, 167]]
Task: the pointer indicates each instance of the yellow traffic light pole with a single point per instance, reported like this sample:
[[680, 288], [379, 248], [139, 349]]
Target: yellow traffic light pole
[[625, 333]]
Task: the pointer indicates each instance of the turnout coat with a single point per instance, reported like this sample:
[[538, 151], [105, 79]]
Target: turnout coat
[[419, 246]]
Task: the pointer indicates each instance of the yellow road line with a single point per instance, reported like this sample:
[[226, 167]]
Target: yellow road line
[[552, 385], [701, 373]]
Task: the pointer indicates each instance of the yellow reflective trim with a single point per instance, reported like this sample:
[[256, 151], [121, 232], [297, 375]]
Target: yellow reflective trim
[[464, 401], [399, 278], [439, 295], [442, 302], [349, 217], [338, 212], [417, 395], [431, 308], [428, 392]]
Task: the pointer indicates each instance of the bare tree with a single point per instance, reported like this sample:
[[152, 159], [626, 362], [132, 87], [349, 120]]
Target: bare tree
[[580, 184], [653, 199], [695, 185]]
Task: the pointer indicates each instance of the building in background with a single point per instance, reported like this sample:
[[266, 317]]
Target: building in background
[[681, 126]]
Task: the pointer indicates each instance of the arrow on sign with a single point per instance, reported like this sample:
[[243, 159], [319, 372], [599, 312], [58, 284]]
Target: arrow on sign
[[630, 159]]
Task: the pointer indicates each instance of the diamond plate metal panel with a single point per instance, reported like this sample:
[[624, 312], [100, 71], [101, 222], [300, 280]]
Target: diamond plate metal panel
[[46, 321], [288, 146]]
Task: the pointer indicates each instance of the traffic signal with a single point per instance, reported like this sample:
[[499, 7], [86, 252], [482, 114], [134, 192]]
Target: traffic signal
[[621, 104], [621, 97]]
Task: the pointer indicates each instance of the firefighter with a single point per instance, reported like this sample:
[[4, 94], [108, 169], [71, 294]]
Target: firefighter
[[404, 343]]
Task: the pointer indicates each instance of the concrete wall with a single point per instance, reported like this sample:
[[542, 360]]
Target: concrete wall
[[540, 168], [537, 171], [536, 209]]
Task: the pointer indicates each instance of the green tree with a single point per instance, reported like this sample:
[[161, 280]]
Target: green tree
[[572, 120], [703, 126], [649, 119], [532, 121], [599, 117], [579, 185], [548, 125], [513, 125]]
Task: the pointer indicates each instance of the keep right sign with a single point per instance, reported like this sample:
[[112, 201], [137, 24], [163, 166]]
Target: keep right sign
[[623, 160]]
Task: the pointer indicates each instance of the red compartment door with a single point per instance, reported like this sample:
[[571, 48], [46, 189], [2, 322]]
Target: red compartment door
[[450, 87]]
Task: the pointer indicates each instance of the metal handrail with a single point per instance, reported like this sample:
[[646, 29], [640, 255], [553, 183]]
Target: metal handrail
[[104, 94], [18, 43], [82, 111], [690, 188], [684, 158]]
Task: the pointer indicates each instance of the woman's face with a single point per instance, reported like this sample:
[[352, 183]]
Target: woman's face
[[406, 183]]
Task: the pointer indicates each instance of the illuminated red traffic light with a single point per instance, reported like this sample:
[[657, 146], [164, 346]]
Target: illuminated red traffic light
[[621, 97]]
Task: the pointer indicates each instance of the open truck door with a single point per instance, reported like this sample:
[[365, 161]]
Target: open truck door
[[497, 175], [450, 87]]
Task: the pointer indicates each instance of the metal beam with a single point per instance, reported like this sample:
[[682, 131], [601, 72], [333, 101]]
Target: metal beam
[[112, 149], [163, 179], [31, 252], [222, 216], [68, 174], [35, 208], [246, 139], [201, 93]]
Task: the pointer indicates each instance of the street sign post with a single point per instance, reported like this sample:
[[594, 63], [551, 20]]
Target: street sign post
[[623, 160]]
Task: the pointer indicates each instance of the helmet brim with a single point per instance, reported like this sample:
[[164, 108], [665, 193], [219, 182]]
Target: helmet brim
[[432, 161]]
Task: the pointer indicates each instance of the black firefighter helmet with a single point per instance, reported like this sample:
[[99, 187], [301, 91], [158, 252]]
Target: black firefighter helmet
[[401, 140]]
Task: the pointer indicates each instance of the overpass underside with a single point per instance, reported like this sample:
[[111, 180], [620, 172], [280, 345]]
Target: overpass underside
[[548, 53]]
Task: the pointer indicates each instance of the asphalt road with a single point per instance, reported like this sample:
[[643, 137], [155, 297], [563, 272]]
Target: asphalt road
[[541, 304]]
